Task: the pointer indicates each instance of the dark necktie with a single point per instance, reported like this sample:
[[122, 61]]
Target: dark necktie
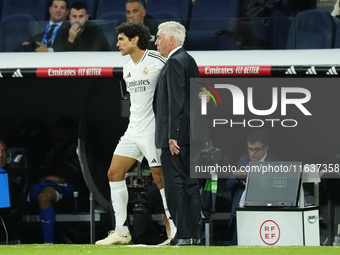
[[49, 34]]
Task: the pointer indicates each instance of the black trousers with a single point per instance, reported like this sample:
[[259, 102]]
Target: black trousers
[[182, 193]]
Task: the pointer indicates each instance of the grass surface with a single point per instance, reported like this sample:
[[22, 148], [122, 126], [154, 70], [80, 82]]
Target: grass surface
[[37, 249]]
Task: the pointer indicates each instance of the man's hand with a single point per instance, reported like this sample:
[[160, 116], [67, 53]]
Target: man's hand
[[73, 32], [174, 148], [240, 174], [25, 43], [205, 93], [41, 47]]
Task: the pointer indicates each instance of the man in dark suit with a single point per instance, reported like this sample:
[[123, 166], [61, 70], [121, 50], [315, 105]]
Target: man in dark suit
[[56, 31], [257, 147], [172, 114]]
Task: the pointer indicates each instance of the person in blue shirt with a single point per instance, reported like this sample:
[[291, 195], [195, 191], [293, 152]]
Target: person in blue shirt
[[257, 148]]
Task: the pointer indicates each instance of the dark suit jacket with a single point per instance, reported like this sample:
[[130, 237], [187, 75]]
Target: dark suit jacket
[[60, 38], [172, 99]]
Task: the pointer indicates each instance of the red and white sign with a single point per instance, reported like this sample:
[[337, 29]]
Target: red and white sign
[[270, 232], [76, 72], [235, 70]]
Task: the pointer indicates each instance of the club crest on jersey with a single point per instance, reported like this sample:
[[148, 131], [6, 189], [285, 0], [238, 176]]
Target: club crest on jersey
[[145, 71]]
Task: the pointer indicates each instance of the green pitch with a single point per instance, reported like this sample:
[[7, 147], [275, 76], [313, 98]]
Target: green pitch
[[37, 249]]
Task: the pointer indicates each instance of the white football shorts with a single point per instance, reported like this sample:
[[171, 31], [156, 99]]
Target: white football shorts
[[138, 147]]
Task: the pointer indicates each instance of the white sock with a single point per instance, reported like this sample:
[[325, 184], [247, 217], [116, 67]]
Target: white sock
[[119, 199], [173, 228]]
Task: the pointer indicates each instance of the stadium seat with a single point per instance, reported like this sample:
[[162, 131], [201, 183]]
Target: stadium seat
[[108, 22], [243, 6], [181, 7], [278, 29], [113, 16], [264, 24], [265, 28], [36, 8], [312, 29], [281, 18], [0, 8], [105, 6], [213, 25], [109, 29], [166, 16], [91, 6], [14, 30]]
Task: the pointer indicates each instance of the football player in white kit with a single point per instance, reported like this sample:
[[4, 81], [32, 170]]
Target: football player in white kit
[[140, 74]]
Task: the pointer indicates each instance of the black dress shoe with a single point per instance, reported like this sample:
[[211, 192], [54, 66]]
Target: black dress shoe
[[181, 242], [197, 241]]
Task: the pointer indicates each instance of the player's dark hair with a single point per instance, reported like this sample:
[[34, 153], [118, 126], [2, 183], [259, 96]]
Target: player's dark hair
[[78, 6], [258, 136], [4, 141], [51, 2], [132, 29], [141, 3]]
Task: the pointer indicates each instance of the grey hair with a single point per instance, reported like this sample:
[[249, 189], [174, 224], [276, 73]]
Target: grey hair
[[141, 3], [175, 29]]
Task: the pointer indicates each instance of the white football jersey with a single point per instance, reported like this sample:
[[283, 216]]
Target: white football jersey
[[140, 82]]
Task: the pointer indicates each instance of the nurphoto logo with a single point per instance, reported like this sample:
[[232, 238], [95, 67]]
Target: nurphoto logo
[[278, 102]]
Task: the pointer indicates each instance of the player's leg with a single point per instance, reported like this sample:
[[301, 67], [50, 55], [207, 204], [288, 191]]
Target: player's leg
[[47, 215], [157, 171], [46, 194], [157, 176], [158, 179], [119, 198], [123, 159], [153, 156], [166, 224], [119, 193], [120, 165]]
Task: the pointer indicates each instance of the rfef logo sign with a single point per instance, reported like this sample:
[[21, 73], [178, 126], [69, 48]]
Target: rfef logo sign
[[270, 232]]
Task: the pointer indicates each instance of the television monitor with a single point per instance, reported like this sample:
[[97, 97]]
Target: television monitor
[[4, 190], [273, 184]]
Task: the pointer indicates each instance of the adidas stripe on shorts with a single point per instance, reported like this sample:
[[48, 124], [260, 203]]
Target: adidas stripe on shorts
[[138, 147]]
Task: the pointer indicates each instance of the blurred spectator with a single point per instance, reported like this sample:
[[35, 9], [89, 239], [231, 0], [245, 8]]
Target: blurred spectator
[[135, 12], [52, 180], [84, 35], [55, 32]]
